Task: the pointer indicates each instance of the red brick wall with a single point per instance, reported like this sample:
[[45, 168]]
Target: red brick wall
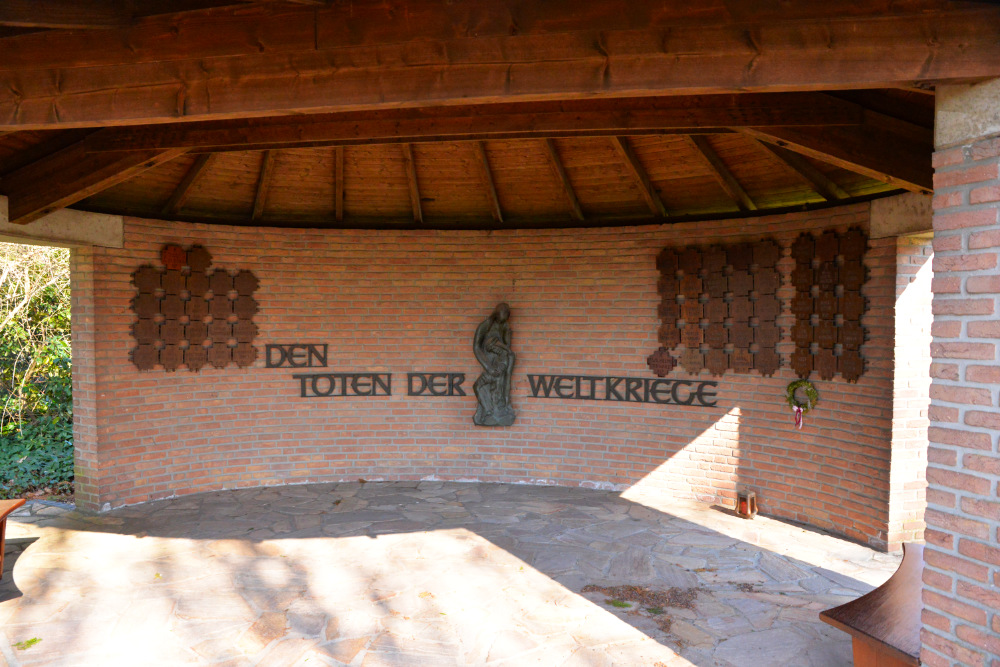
[[583, 302], [962, 572], [85, 399]]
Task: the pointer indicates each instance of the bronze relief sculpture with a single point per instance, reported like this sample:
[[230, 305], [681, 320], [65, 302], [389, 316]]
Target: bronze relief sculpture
[[491, 345]]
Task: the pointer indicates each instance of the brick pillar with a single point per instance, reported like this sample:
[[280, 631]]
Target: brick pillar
[[84, 377], [962, 573]]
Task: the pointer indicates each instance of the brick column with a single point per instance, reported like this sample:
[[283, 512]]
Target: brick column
[[962, 573], [84, 377]]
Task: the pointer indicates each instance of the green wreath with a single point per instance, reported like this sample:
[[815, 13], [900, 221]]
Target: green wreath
[[812, 396]]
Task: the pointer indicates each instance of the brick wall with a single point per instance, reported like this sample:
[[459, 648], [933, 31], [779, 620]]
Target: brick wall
[[583, 302], [85, 399], [962, 573]]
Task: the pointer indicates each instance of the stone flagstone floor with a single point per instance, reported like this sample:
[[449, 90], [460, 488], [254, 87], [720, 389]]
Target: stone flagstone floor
[[423, 573]]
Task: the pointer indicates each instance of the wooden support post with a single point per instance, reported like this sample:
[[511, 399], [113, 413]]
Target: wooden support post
[[640, 175], [338, 186], [183, 189], [722, 174], [490, 183], [411, 177], [557, 165], [260, 198], [826, 188]]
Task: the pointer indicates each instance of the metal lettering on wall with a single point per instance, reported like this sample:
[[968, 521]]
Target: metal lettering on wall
[[828, 305], [191, 316], [718, 309]]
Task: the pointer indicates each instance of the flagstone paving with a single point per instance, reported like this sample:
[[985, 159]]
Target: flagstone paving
[[423, 573]]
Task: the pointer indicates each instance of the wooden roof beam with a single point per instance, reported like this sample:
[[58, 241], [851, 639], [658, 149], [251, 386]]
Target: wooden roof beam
[[411, 180], [491, 186], [183, 189], [263, 183], [722, 174], [820, 182], [567, 186], [70, 175], [72, 14], [640, 175]]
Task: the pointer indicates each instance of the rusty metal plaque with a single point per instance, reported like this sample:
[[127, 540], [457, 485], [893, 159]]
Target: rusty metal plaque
[[716, 310], [219, 355], [173, 257], [803, 278], [668, 287], [668, 310], [692, 336], [690, 261], [692, 311], [171, 357], [146, 306], [666, 262], [826, 305], [220, 307], [826, 334], [741, 310], [852, 276], [802, 305], [172, 282], [692, 361], [740, 256], [714, 260], [802, 333], [196, 308], [220, 331], [851, 365], [716, 285], [716, 361], [767, 308], [668, 335], [172, 307], [145, 357], [740, 284], [827, 276], [825, 364], [853, 244], [852, 306], [171, 332], [691, 286], [827, 247], [766, 281], [852, 335], [741, 336], [244, 331], [244, 355], [196, 332], [220, 282], [766, 254], [146, 279], [741, 361], [661, 363], [767, 334], [199, 259], [804, 249], [802, 363], [716, 336], [767, 362], [197, 283], [195, 357], [145, 332]]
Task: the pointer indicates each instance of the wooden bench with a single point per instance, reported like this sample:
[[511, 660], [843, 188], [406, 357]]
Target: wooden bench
[[885, 624], [6, 507]]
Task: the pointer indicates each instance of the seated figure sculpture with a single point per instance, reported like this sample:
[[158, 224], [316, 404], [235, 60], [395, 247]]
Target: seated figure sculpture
[[491, 346]]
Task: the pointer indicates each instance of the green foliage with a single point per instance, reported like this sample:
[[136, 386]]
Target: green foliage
[[26, 644], [36, 404], [621, 604]]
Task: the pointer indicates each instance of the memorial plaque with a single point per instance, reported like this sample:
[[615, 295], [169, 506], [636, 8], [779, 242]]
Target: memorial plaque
[[851, 365], [691, 286], [827, 247], [244, 355], [741, 310], [692, 361], [146, 279], [692, 311], [852, 276], [802, 333], [171, 332], [741, 361], [802, 363], [827, 276], [767, 334], [171, 357], [245, 307], [661, 363], [740, 284], [220, 332], [195, 357], [172, 307], [740, 256], [173, 257], [668, 310], [145, 332], [826, 334], [716, 361], [766, 254], [219, 355], [766, 282], [852, 306], [690, 261], [714, 260], [146, 306], [244, 331], [666, 262], [197, 283], [716, 310], [767, 308], [172, 282], [692, 336], [145, 357], [802, 306], [767, 362], [196, 332], [715, 336], [825, 364], [853, 244], [803, 249], [196, 308], [199, 259], [220, 308], [220, 282], [741, 336], [668, 335], [826, 305], [852, 336], [668, 287], [802, 278], [716, 285]]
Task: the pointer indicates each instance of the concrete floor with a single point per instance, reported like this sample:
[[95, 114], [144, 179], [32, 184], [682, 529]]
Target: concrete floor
[[426, 573]]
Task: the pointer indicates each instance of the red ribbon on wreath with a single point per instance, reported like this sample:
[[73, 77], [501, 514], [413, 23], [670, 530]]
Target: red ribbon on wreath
[[798, 418]]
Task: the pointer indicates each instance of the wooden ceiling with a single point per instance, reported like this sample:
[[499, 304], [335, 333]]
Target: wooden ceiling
[[481, 113]]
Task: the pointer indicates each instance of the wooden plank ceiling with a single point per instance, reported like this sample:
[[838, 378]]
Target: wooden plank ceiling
[[480, 114]]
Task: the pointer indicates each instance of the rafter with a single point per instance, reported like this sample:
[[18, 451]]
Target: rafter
[[640, 175], [411, 179], [722, 174], [183, 189], [338, 183], [823, 185], [263, 183], [491, 186], [80, 14], [567, 186]]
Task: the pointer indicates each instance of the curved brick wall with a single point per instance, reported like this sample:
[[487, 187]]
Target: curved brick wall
[[583, 301]]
